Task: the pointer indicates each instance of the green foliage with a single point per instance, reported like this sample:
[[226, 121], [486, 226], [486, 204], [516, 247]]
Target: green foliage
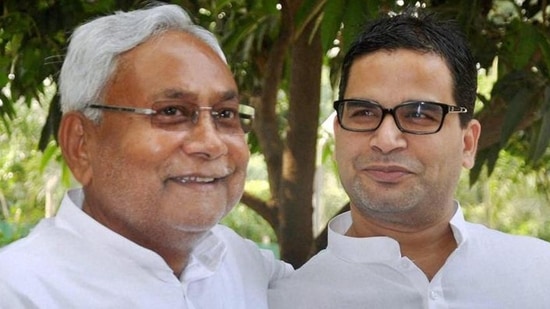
[[521, 90], [33, 38], [34, 34], [514, 199], [27, 186], [543, 139], [246, 222]]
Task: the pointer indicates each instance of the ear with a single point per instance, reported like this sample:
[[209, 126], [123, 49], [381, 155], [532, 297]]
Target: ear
[[470, 140], [74, 141]]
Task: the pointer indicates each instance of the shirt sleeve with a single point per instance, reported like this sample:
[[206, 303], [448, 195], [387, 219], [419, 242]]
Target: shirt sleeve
[[279, 268]]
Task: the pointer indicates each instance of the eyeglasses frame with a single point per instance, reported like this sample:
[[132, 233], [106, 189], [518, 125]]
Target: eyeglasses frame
[[150, 112], [447, 109]]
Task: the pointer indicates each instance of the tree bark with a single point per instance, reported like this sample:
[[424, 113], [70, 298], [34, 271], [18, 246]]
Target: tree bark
[[295, 195]]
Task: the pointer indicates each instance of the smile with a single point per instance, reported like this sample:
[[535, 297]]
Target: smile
[[387, 174], [195, 179]]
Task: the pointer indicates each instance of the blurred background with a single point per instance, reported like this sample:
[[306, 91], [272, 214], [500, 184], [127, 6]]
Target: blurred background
[[286, 57]]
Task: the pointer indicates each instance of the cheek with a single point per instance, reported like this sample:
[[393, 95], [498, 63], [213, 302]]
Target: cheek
[[238, 151], [239, 155], [446, 155], [347, 146], [145, 148], [128, 156], [344, 153], [134, 136]]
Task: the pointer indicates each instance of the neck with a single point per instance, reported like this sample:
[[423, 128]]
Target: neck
[[428, 246], [176, 259], [176, 252], [174, 246]]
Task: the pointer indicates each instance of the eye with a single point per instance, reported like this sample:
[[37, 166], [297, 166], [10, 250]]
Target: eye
[[416, 114], [168, 111], [421, 112], [227, 113], [171, 112], [174, 110], [361, 110]]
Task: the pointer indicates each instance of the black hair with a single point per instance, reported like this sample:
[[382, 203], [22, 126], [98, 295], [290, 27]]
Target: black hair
[[423, 32]]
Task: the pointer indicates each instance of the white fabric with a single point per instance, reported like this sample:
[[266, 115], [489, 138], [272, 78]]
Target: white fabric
[[72, 261], [489, 269]]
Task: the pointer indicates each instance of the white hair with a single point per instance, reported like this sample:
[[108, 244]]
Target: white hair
[[95, 46]]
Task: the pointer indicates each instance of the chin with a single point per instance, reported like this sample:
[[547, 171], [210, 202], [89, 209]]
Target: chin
[[200, 224]]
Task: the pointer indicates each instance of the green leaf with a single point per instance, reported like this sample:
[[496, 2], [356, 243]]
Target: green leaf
[[544, 45], [49, 153], [307, 11], [355, 17], [332, 20], [6, 108], [518, 105], [543, 138], [66, 174], [520, 44], [245, 30], [489, 157], [517, 89]]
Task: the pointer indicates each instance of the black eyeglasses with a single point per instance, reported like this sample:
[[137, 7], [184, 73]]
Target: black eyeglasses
[[172, 115], [415, 117]]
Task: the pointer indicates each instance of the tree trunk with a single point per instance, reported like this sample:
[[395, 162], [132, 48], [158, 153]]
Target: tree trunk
[[296, 191]]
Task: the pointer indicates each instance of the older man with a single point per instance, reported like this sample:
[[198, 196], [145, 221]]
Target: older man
[[154, 131]]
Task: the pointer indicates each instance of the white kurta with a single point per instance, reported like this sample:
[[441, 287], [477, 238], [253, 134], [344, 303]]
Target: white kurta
[[72, 261], [489, 269]]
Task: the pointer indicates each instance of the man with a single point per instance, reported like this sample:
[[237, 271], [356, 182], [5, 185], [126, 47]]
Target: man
[[403, 132], [154, 131]]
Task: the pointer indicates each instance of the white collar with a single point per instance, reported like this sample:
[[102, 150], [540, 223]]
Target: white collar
[[204, 261], [380, 248]]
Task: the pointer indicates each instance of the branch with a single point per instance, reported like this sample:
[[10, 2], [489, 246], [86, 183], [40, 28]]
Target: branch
[[262, 208]]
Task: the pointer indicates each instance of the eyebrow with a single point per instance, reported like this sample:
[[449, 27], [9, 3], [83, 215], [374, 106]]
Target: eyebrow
[[180, 94]]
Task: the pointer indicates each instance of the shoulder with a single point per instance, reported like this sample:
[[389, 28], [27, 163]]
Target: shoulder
[[319, 283], [486, 235], [518, 248], [246, 254], [27, 263], [30, 247]]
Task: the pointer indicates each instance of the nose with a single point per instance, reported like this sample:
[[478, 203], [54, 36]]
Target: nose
[[388, 138], [197, 113], [203, 138]]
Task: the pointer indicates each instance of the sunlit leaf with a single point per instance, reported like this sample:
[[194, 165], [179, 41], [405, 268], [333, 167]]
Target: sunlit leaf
[[47, 156]]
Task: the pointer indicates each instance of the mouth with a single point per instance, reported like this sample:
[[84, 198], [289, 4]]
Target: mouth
[[196, 179], [201, 178], [387, 174]]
